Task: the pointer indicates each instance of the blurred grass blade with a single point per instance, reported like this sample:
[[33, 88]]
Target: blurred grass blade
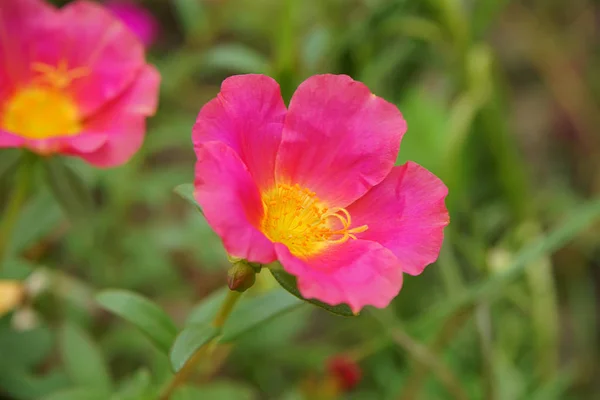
[[142, 313], [186, 191], [83, 360], [189, 341], [68, 188], [218, 390], [236, 58], [76, 394], [191, 16], [578, 221], [254, 311], [288, 282]]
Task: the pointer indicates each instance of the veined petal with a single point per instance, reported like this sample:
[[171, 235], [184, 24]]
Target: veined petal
[[247, 115], [102, 54], [122, 123], [358, 273], [339, 139], [21, 21], [406, 214], [231, 202]]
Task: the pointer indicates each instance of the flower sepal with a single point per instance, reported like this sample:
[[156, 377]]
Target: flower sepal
[[288, 282]]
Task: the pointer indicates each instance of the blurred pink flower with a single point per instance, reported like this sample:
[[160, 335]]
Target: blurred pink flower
[[137, 18], [315, 187], [73, 81]]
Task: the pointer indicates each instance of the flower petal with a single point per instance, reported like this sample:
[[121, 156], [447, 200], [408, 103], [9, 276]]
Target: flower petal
[[358, 273], [20, 22], [406, 214], [122, 122], [247, 115], [231, 202], [339, 140], [89, 36]]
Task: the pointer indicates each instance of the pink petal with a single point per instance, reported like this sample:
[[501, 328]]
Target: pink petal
[[358, 273], [247, 115], [89, 36], [73, 145], [406, 214], [122, 122], [8, 139], [137, 18], [231, 202], [339, 140], [21, 21]]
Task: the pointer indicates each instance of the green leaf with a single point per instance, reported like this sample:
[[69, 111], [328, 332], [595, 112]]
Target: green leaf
[[68, 188], [24, 385], [9, 158], [189, 341], [205, 311], [219, 390], [186, 191], [83, 360], [288, 282], [39, 216], [24, 349], [135, 387], [76, 394], [254, 311], [141, 312]]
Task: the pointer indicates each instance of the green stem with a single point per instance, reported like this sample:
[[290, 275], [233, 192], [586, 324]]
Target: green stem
[[183, 374], [15, 203]]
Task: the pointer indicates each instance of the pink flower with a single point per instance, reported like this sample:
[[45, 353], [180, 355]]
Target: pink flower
[[138, 19], [315, 187], [72, 81]]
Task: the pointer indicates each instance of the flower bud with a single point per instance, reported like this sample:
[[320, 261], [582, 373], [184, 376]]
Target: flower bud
[[345, 372], [241, 276], [12, 294]]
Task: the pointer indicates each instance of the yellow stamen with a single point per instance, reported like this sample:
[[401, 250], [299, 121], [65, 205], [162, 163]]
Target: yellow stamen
[[297, 218], [44, 108]]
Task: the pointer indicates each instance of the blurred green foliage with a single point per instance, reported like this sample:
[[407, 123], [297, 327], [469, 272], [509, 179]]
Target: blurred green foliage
[[501, 99]]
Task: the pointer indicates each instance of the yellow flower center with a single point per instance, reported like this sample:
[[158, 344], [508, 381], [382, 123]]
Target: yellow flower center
[[44, 109], [297, 218]]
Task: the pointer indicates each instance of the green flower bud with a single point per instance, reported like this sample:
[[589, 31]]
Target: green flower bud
[[241, 276]]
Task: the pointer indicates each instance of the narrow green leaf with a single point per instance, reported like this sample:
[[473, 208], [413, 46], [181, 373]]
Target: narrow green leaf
[[76, 394], [254, 311], [68, 188], [189, 341], [288, 282], [83, 360], [205, 311], [186, 191], [142, 313]]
